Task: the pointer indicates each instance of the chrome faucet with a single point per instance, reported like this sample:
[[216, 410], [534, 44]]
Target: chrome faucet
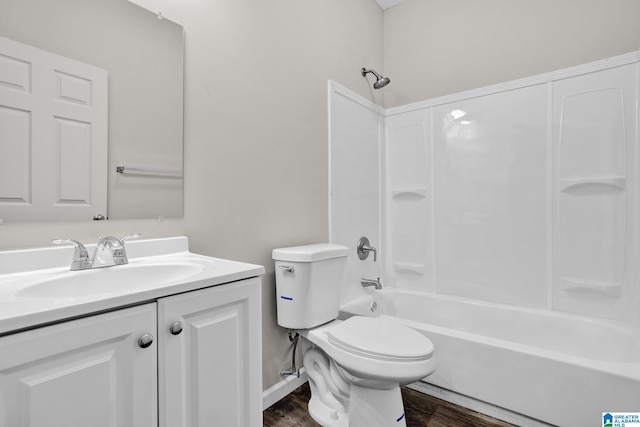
[[371, 282], [109, 251]]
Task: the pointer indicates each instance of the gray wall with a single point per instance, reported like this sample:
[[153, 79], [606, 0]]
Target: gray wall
[[256, 149], [434, 48]]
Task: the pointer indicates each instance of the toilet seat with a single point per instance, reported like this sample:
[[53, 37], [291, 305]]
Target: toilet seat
[[380, 339], [383, 353]]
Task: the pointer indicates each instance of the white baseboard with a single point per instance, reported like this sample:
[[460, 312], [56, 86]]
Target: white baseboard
[[283, 388], [477, 405]]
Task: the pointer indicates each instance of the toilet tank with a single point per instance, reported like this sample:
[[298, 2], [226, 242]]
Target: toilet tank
[[308, 282]]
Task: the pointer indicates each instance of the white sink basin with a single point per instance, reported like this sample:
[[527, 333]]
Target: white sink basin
[[116, 280], [37, 287]]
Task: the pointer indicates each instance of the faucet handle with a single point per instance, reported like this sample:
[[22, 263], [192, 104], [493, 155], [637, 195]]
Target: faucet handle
[[130, 236], [120, 254], [363, 249], [80, 259], [80, 251], [111, 251], [114, 242]]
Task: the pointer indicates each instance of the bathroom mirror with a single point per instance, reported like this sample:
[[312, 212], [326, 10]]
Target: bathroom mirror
[[143, 56]]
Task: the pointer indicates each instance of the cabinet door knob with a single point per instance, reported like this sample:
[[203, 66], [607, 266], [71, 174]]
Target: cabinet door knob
[[175, 328], [145, 341]]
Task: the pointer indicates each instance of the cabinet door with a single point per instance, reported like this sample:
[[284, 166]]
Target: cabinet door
[[211, 372], [85, 372]]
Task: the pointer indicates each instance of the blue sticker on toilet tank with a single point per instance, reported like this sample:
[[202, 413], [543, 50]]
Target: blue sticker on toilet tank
[[401, 417], [287, 298]]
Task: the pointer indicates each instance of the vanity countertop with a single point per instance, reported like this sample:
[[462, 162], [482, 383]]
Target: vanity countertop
[[37, 288]]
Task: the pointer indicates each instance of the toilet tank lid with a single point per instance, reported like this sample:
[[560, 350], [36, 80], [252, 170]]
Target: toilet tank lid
[[310, 253]]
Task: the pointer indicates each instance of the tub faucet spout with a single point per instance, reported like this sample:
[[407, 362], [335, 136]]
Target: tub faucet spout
[[371, 282]]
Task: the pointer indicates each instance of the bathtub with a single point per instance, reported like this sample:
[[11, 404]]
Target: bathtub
[[560, 369]]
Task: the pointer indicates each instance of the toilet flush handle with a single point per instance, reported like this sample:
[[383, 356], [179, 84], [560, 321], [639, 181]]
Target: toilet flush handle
[[287, 268]]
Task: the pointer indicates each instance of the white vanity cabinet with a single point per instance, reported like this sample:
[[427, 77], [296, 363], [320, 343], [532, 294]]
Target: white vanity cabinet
[[202, 367], [84, 372], [169, 339]]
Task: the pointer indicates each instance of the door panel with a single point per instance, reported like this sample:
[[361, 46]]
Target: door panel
[[54, 126]]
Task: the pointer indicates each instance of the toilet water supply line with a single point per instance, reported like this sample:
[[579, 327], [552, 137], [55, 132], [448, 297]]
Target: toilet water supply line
[[293, 370]]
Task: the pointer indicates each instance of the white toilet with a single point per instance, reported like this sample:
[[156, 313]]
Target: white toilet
[[357, 366]]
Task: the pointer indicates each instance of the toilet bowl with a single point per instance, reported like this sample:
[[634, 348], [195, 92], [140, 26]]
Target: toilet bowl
[[355, 366]]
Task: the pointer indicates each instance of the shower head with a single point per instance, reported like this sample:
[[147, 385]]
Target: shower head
[[380, 81]]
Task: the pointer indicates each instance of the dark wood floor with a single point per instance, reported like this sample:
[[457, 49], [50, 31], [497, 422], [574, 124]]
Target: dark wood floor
[[421, 411]]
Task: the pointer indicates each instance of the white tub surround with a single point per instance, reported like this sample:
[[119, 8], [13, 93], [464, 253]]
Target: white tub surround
[[171, 338], [523, 195], [547, 366]]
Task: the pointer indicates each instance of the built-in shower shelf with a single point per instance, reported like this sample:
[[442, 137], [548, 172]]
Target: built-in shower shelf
[[611, 289], [572, 184], [409, 193], [409, 267]]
